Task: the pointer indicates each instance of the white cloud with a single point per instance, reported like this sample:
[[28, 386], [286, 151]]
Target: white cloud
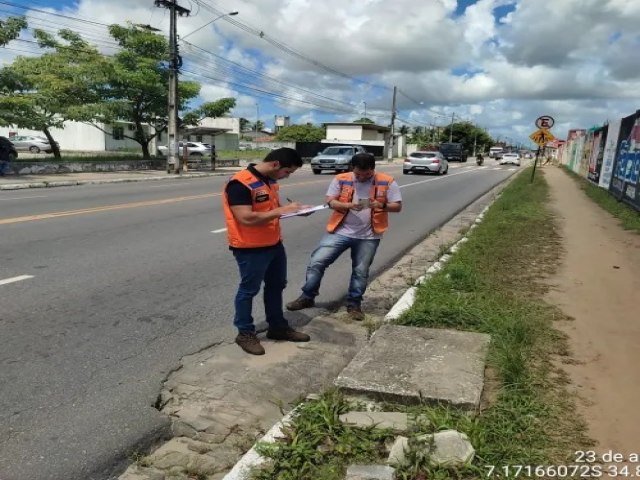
[[576, 60]]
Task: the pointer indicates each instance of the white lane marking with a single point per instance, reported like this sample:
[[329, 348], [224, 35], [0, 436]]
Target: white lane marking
[[15, 279], [443, 177], [220, 230], [22, 198]]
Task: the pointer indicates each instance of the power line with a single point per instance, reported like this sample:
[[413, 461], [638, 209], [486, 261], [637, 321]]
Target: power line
[[284, 47]]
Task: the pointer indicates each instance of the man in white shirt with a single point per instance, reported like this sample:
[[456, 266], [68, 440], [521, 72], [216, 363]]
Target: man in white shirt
[[361, 200]]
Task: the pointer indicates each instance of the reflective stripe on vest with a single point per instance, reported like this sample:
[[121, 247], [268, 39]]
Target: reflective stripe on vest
[[378, 192], [264, 198]]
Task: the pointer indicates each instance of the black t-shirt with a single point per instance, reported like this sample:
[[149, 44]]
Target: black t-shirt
[[239, 194]]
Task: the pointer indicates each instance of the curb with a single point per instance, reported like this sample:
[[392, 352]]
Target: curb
[[71, 183], [252, 458], [408, 299]]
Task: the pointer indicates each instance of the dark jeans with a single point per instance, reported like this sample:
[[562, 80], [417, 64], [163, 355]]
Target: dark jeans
[[4, 166], [268, 265]]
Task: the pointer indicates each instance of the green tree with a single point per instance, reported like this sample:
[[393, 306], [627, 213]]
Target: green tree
[[40, 93], [363, 120], [216, 109], [467, 134], [10, 29], [258, 126], [138, 85], [244, 125], [403, 130], [301, 133]]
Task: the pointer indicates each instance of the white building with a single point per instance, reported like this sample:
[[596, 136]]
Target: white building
[[82, 137], [361, 134], [223, 132]]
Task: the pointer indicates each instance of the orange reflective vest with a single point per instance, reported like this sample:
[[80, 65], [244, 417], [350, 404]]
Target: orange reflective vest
[[378, 192], [264, 198]]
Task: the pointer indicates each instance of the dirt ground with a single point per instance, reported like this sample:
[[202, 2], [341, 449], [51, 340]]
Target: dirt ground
[[598, 284]]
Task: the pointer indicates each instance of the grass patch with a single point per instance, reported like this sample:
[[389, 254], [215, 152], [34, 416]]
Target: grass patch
[[317, 446], [629, 217], [491, 285]]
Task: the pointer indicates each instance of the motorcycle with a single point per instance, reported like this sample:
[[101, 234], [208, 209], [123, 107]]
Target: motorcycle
[[479, 160]]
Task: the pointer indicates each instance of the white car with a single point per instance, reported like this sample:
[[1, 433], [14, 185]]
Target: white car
[[195, 149], [510, 159], [425, 162]]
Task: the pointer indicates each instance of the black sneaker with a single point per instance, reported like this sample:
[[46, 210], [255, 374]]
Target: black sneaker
[[301, 303], [288, 334], [248, 341]]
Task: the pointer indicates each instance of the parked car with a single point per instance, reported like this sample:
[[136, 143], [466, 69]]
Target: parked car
[[195, 149], [32, 143], [510, 158], [336, 158], [425, 162]]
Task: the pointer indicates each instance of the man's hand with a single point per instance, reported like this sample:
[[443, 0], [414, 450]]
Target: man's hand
[[291, 207]]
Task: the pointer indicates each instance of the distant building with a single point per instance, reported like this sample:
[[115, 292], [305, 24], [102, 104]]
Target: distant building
[[280, 121], [223, 132], [363, 134]]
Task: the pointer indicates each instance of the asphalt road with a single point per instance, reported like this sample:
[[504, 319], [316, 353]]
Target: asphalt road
[[103, 288]]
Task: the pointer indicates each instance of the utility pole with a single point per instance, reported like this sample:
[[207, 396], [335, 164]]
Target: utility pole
[[453, 115], [475, 138], [173, 157], [393, 129], [257, 118]]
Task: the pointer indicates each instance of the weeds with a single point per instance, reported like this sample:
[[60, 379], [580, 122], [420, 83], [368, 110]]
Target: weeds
[[318, 446]]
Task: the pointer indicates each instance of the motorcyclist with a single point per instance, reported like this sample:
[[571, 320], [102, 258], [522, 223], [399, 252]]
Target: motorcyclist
[[479, 159]]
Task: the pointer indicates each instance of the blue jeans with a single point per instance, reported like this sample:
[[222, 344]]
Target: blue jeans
[[330, 248], [268, 265]]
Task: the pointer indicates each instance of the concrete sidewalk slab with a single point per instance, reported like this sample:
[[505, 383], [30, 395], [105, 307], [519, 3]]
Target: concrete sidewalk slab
[[89, 178], [410, 364]]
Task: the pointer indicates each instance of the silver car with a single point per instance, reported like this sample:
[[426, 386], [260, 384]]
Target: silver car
[[336, 158], [31, 143], [195, 149], [425, 162]]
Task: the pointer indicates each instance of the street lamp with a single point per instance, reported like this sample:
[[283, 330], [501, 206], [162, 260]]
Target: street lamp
[[230, 14]]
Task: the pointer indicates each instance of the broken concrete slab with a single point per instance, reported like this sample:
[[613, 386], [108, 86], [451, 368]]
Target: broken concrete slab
[[448, 448], [398, 451], [370, 472], [396, 421], [410, 365]]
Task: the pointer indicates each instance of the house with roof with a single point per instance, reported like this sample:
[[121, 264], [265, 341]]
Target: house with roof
[[365, 134]]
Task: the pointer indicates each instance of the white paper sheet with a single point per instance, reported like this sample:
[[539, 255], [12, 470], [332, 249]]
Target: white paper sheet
[[304, 211]]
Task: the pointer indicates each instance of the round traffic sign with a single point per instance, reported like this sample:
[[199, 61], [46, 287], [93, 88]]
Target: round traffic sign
[[545, 121]]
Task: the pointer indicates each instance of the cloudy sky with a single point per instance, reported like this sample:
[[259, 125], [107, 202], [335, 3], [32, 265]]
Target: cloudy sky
[[499, 63]]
